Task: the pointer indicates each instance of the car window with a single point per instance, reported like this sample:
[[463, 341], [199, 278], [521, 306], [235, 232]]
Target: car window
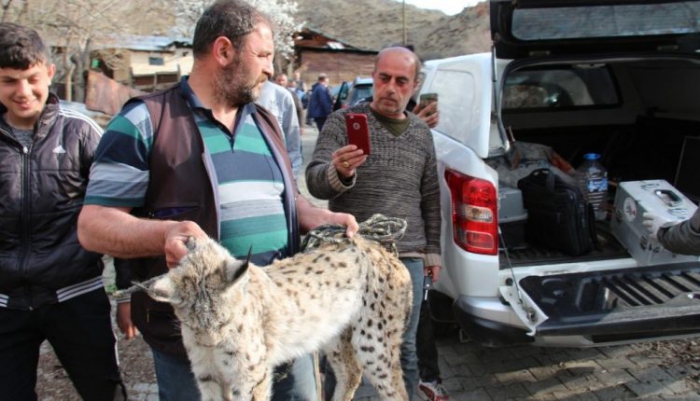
[[359, 93], [606, 21], [585, 86], [456, 93]]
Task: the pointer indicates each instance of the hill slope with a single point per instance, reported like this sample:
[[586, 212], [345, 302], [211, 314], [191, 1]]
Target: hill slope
[[375, 24]]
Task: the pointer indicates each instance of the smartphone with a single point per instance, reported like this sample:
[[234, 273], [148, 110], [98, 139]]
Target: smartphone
[[427, 98], [358, 131]]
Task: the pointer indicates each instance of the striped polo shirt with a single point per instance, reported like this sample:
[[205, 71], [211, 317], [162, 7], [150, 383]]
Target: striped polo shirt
[[249, 182]]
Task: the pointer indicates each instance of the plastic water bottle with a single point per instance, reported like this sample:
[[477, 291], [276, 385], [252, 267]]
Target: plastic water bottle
[[592, 178]]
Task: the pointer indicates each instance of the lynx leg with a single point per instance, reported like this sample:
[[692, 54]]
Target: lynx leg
[[211, 390], [386, 377], [341, 356], [378, 352], [262, 389]]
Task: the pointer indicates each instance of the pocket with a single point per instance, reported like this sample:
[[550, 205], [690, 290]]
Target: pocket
[[154, 318], [174, 213]]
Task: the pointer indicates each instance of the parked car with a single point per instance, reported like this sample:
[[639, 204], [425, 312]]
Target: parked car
[[350, 94], [570, 78], [361, 88]]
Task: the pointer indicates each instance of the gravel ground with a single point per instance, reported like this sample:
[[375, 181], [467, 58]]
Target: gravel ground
[[135, 359], [137, 369], [136, 364]]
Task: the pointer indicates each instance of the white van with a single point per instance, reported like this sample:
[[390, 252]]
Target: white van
[[610, 77]]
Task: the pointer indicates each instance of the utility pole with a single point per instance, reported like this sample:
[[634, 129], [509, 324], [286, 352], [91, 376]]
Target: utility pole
[[405, 40]]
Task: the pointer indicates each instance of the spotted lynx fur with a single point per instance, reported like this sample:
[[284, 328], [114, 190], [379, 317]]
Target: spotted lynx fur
[[239, 321]]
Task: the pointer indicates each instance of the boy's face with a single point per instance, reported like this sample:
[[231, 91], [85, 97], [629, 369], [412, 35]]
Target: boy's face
[[24, 93]]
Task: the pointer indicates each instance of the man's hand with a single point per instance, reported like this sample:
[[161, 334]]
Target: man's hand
[[311, 217], [126, 326], [429, 114], [347, 220], [653, 222], [347, 159], [433, 272], [176, 237]]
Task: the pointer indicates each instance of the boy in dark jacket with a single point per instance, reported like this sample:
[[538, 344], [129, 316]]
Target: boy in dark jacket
[[50, 287]]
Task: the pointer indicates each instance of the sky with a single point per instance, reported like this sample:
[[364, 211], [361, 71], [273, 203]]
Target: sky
[[449, 7]]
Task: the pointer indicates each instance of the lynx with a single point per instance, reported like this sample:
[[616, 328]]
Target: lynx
[[239, 321]]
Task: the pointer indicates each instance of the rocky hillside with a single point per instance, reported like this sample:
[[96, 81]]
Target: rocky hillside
[[374, 24]]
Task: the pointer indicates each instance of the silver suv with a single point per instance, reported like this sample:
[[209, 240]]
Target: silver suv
[[361, 89], [566, 78]]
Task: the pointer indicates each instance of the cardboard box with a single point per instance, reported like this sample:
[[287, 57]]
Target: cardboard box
[[632, 199]]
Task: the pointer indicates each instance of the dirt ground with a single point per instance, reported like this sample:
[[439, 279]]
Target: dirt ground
[[135, 359]]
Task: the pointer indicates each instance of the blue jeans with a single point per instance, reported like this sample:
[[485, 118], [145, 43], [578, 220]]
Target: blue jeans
[[409, 358], [174, 377], [176, 382]]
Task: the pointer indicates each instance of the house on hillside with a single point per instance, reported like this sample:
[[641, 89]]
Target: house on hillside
[[146, 63], [316, 52]]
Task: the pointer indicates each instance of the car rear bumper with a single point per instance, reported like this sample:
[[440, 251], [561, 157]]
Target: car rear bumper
[[470, 312]]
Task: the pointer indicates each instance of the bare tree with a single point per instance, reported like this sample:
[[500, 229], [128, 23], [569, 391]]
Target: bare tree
[[280, 12], [77, 28]]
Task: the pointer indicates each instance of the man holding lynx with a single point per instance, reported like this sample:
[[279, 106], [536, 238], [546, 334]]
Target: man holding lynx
[[201, 160]]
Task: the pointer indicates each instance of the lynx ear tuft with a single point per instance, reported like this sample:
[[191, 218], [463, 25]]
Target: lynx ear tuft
[[247, 259], [235, 269]]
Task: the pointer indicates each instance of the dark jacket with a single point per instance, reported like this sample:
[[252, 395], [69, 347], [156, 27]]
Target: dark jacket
[[321, 103], [41, 194], [179, 156], [684, 237]]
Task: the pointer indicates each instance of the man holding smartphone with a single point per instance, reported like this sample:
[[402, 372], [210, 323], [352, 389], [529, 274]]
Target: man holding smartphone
[[398, 179]]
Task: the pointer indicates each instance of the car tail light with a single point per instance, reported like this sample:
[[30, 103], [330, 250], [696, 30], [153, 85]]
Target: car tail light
[[474, 213]]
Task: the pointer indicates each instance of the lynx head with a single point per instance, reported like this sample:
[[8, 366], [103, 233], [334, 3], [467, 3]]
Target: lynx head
[[200, 288]]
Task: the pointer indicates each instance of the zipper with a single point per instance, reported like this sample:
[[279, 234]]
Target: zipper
[[25, 214]]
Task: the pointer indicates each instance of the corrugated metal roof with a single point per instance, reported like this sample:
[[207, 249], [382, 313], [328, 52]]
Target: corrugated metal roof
[[145, 42]]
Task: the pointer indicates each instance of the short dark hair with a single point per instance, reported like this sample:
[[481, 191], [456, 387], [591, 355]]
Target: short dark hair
[[233, 19], [20, 47]]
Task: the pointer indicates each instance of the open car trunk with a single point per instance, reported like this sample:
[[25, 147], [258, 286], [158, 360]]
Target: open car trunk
[[640, 130]]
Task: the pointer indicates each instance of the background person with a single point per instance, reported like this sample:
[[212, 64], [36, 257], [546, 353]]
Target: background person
[[201, 159], [281, 80], [321, 102], [50, 287], [678, 237], [279, 101], [398, 179]]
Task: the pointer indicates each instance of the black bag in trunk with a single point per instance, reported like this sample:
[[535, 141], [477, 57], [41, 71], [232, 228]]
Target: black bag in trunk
[[558, 215]]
